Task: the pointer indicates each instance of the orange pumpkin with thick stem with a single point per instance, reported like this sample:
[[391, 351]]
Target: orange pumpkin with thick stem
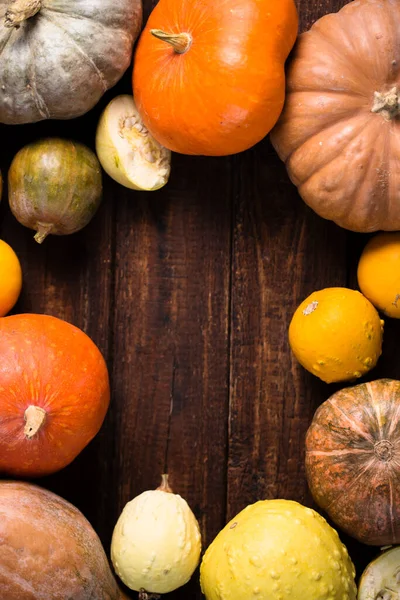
[[54, 394], [339, 133], [209, 76]]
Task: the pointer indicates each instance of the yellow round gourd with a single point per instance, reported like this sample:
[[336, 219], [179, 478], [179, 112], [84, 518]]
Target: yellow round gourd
[[10, 278], [156, 542], [379, 272], [277, 550], [336, 334]]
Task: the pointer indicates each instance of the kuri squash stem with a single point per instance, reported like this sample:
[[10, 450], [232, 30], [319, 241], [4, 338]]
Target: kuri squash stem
[[35, 417], [21, 10], [180, 42]]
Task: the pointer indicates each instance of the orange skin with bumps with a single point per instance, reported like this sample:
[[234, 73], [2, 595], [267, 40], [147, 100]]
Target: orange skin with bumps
[[50, 364], [226, 92]]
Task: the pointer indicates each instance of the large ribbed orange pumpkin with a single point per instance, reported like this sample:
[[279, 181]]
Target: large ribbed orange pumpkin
[[339, 133], [209, 75], [54, 393]]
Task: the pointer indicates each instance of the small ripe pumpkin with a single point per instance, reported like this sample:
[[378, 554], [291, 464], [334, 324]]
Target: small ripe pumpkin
[[156, 542], [58, 57], [277, 550], [339, 133], [55, 187], [10, 278], [209, 76], [379, 272], [336, 334], [48, 549], [353, 458], [54, 394]]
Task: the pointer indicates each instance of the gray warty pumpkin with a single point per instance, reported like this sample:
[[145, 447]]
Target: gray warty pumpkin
[[58, 57]]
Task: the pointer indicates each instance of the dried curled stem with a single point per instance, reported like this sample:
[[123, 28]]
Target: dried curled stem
[[180, 42], [21, 10]]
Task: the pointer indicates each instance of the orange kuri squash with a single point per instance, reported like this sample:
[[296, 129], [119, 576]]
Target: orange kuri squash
[[209, 76], [54, 393]]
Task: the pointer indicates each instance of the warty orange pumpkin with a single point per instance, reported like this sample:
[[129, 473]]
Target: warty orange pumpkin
[[54, 393], [209, 77], [339, 133]]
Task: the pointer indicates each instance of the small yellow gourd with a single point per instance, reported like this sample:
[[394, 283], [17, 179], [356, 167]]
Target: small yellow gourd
[[156, 543]]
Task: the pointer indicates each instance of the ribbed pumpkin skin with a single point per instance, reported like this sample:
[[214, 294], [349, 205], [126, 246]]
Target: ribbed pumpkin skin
[[353, 460], [48, 363], [59, 62], [226, 92], [343, 158], [48, 550]]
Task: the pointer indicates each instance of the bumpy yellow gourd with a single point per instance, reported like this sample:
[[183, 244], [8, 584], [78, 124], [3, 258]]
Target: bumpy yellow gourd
[[336, 334], [379, 272], [277, 550], [156, 542], [10, 278]]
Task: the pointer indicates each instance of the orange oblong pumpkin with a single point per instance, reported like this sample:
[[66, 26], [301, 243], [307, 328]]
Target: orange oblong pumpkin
[[209, 77], [54, 394]]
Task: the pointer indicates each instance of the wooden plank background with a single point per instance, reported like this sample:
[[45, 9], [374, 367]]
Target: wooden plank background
[[189, 292]]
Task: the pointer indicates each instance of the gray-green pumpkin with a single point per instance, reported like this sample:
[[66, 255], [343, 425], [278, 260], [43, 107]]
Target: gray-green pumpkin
[[58, 57], [54, 186]]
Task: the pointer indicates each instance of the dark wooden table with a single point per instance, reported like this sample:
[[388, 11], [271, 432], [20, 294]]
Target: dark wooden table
[[189, 292]]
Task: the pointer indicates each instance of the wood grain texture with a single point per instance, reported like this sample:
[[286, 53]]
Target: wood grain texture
[[281, 254], [189, 292], [170, 356]]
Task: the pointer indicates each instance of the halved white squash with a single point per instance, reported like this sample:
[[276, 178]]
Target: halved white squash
[[127, 151], [381, 578]]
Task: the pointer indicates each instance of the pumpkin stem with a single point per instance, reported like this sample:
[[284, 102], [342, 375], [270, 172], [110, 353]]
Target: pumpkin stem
[[387, 103], [180, 42], [164, 487], [43, 230], [143, 595], [21, 10], [34, 416]]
